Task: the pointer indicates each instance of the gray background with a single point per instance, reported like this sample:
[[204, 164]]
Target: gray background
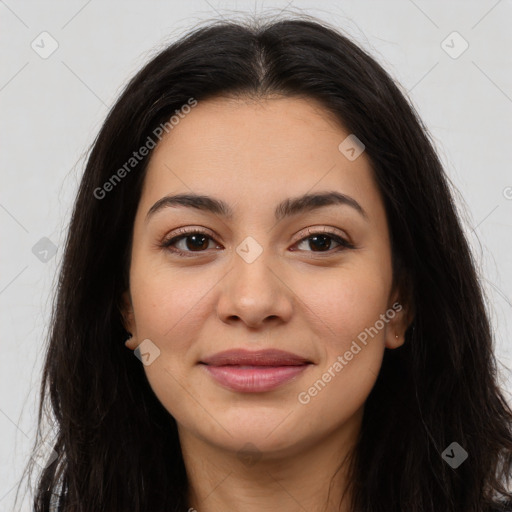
[[53, 107]]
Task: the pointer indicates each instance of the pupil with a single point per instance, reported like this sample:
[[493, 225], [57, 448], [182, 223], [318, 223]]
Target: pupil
[[325, 241], [196, 238], [199, 241]]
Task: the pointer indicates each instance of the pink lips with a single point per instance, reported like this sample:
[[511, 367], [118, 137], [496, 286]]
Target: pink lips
[[254, 372]]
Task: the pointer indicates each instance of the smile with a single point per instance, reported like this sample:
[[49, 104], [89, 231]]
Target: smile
[[254, 379]]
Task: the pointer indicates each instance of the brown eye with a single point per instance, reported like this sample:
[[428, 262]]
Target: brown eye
[[196, 242], [191, 242], [322, 242]]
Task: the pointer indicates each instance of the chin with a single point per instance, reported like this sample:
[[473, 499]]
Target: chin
[[266, 435]]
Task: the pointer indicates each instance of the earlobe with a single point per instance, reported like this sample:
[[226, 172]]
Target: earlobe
[[394, 340], [399, 322], [131, 343], [401, 314]]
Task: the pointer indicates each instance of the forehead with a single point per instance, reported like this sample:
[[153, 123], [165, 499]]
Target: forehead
[[253, 153]]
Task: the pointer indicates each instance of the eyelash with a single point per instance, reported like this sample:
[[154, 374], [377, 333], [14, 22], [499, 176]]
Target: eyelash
[[185, 232]]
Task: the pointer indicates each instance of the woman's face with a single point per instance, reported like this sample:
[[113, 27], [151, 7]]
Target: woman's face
[[270, 270]]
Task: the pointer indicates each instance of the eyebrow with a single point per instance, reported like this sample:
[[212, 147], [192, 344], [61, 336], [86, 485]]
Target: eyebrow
[[287, 208]]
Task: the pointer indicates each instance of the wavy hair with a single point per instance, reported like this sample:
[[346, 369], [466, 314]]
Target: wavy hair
[[117, 447]]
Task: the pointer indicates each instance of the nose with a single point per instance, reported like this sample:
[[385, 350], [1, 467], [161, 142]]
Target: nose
[[254, 293]]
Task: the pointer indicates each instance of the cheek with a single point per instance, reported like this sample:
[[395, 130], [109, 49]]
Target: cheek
[[171, 309], [344, 302], [349, 303]]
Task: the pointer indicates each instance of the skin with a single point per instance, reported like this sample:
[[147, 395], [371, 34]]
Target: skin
[[253, 155]]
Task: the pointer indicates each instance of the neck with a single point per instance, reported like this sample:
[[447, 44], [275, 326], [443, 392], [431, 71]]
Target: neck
[[307, 477]]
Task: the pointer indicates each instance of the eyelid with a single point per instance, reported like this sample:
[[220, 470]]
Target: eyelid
[[189, 230], [315, 230], [183, 232], [308, 231]]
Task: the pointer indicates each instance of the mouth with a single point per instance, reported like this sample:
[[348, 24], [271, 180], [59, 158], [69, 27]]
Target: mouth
[[242, 357], [254, 372]]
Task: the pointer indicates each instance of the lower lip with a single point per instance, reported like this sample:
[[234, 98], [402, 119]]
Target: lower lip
[[254, 379]]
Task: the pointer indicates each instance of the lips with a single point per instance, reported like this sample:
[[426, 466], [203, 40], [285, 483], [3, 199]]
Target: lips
[[254, 372], [240, 357]]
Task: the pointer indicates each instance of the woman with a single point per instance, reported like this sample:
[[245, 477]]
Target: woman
[[265, 219]]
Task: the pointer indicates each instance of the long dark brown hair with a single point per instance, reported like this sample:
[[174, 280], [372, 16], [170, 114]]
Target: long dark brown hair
[[117, 447]]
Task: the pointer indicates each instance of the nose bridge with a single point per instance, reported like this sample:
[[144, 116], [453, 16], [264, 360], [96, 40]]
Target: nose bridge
[[252, 291], [253, 275]]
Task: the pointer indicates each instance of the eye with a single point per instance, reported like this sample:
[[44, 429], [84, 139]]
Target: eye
[[321, 241], [191, 240], [195, 240]]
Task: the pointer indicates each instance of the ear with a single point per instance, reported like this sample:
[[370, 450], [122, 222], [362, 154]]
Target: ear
[[400, 317], [126, 310]]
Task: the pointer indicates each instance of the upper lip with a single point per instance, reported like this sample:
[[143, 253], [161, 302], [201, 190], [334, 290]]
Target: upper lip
[[269, 357]]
